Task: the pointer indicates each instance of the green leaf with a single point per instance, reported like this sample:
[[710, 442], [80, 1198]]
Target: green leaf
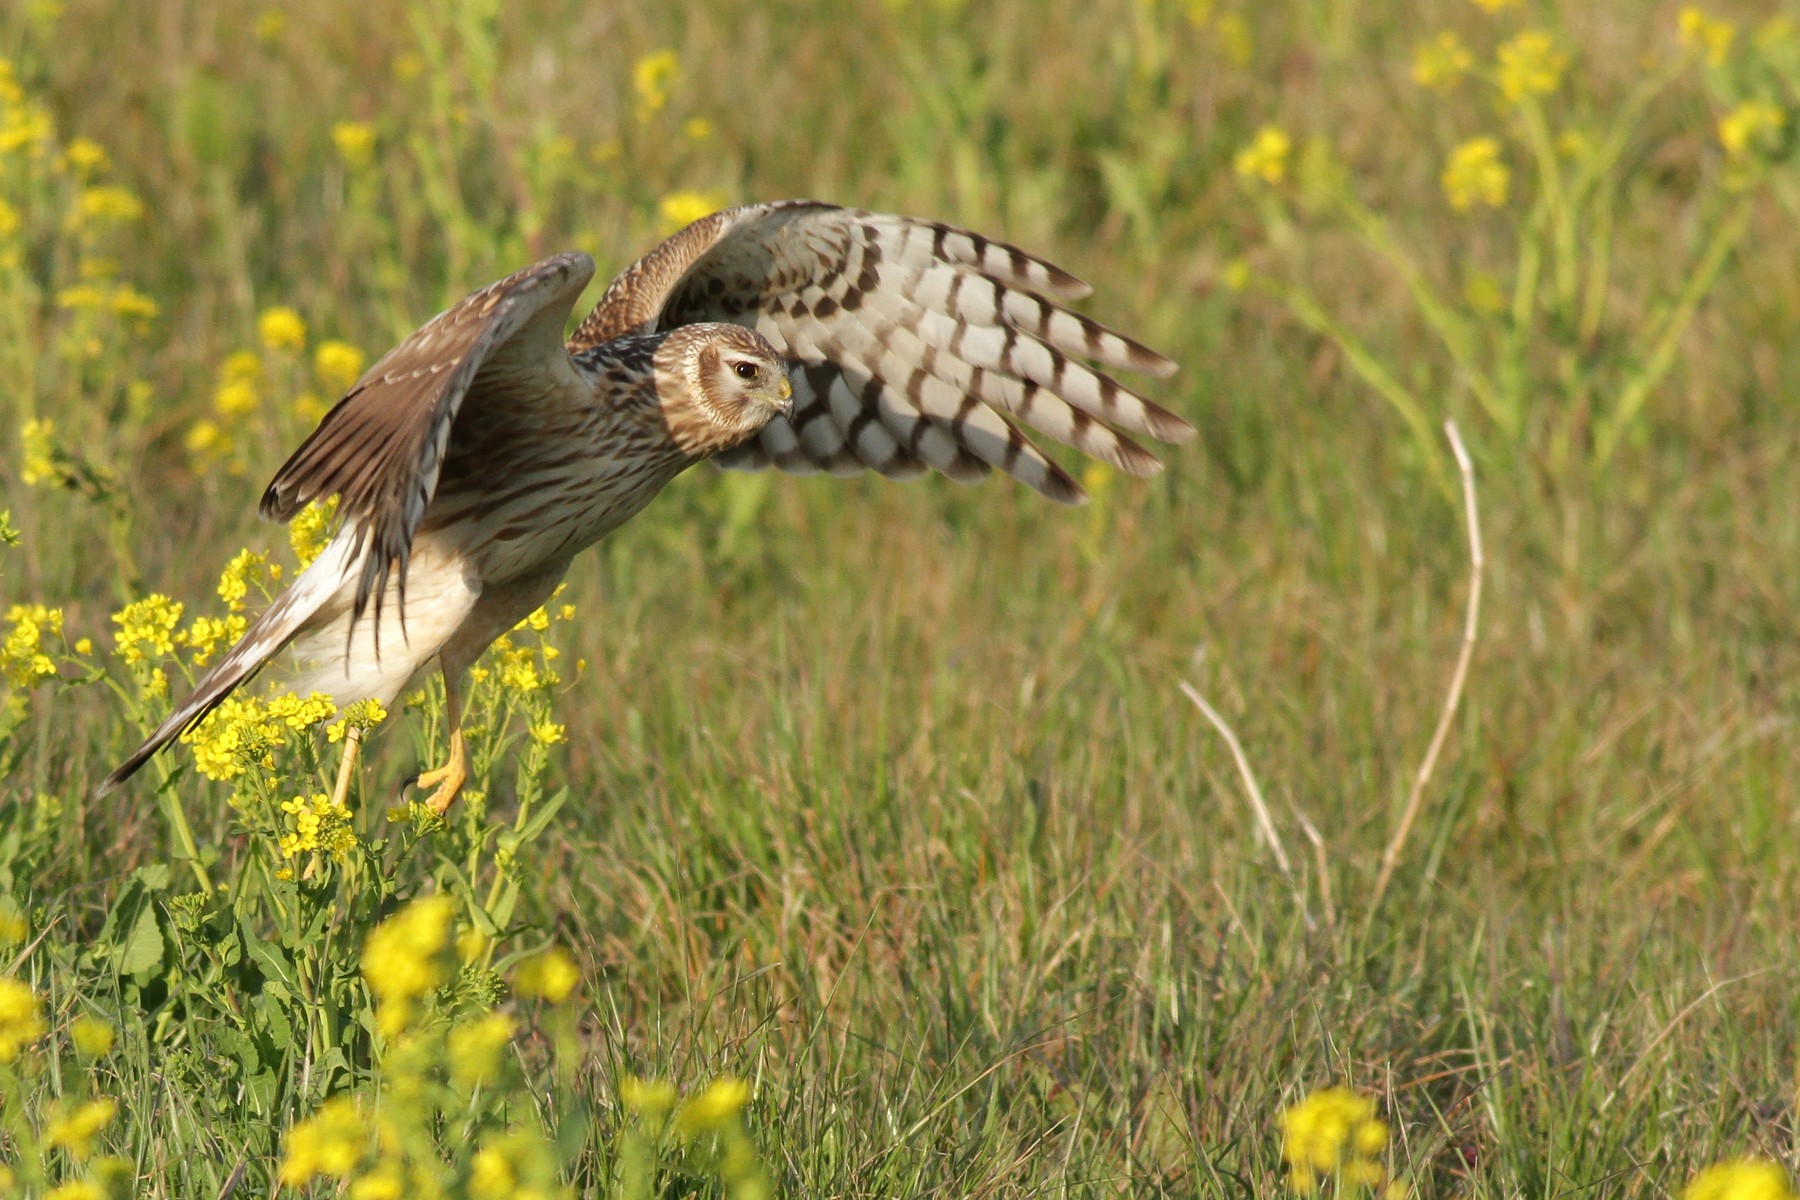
[[142, 950]]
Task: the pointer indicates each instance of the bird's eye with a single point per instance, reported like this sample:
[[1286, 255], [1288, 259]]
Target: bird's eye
[[746, 370]]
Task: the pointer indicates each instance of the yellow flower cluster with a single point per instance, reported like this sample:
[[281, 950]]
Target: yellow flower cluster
[[21, 1022], [310, 531], [22, 657], [677, 210], [1745, 1179], [147, 628], [1475, 175], [330, 1142], [317, 825], [476, 1049], [1332, 1133], [207, 634], [360, 715], [75, 1130], [405, 960], [1752, 126], [1697, 30], [281, 330], [37, 452], [651, 78], [244, 731], [248, 569], [93, 1037], [237, 394], [337, 365], [24, 123], [1266, 157], [355, 142], [105, 204], [1530, 64], [120, 299], [1441, 63], [549, 975]]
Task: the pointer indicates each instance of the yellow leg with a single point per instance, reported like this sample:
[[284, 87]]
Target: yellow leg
[[340, 795], [449, 778]]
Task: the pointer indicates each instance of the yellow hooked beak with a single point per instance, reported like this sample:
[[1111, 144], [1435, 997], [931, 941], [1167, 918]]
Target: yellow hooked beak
[[785, 396]]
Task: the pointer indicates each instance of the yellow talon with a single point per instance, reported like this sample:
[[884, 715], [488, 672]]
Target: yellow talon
[[448, 779]]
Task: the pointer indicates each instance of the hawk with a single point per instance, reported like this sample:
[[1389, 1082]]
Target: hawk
[[481, 454]]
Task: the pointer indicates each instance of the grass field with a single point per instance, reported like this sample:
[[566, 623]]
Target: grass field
[[884, 800]]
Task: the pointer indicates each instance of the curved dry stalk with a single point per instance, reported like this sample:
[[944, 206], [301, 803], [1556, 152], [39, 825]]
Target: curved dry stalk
[[1390, 858], [1264, 824]]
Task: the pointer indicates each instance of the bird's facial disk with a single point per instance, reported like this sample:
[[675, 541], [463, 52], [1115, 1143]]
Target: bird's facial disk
[[758, 379]]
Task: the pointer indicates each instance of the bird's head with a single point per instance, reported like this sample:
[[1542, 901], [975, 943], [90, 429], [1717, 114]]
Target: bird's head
[[734, 381]]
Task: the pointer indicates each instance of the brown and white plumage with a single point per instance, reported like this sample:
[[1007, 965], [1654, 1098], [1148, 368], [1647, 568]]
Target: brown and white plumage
[[478, 456]]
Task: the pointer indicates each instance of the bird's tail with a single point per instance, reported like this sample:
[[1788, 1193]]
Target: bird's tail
[[272, 631]]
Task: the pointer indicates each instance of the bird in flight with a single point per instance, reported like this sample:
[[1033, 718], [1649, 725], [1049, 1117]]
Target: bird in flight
[[481, 454]]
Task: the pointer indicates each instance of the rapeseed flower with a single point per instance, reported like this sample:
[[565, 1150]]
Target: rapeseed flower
[[475, 1048], [355, 142], [722, 1101], [37, 452], [106, 204], [281, 329], [249, 568], [22, 657], [330, 1142], [207, 634], [75, 1131], [1266, 157], [404, 959], [1698, 30], [1752, 125], [310, 530], [13, 928], [1475, 175], [85, 156], [1494, 6], [93, 1037], [1530, 64], [1441, 63], [677, 210], [337, 365], [550, 975], [1335, 1133], [651, 77], [650, 1099], [318, 825], [1745, 1179], [361, 715], [147, 628], [21, 1022]]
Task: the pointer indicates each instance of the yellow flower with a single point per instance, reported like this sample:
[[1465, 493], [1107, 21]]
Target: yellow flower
[[330, 1142], [337, 365], [407, 66], [1752, 125], [355, 142], [317, 825], [404, 960], [722, 1100], [128, 303], [1531, 64], [1266, 157], [37, 452], [475, 1048], [207, 440], [1441, 63], [76, 1189], [75, 1131], [281, 328], [147, 628], [236, 399], [20, 1020], [1494, 6], [1698, 31], [550, 975], [1475, 174], [310, 531], [651, 76], [1745, 1179], [491, 1175], [93, 1037], [207, 634], [13, 929], [650, 1099], [107, 204], [85, 156], [1233, 32], [358, 714], [384, 1183], [22, 656], [270, 25], [678, 210], [1332, 1132], [244, 732], [248, 568], [697, 129], [243, 366], [84, 645], [549, 733]]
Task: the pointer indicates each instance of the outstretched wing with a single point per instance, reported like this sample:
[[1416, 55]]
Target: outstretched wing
[[912, 344], [379, 450]]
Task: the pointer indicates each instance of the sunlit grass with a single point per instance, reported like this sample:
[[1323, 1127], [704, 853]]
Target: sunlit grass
[[842, 838]]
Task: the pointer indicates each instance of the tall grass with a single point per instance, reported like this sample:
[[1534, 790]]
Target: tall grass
[[884, 800]]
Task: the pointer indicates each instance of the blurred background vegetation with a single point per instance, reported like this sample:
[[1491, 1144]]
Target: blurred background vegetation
[[883, 798]]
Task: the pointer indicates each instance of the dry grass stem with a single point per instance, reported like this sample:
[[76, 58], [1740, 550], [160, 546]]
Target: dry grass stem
[[1390, 858]]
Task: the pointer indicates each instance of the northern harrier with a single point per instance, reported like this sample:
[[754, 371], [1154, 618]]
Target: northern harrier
[[481, 454]]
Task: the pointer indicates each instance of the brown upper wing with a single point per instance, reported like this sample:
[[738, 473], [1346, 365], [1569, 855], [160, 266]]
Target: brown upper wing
[[379, 450], [912, 344]]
